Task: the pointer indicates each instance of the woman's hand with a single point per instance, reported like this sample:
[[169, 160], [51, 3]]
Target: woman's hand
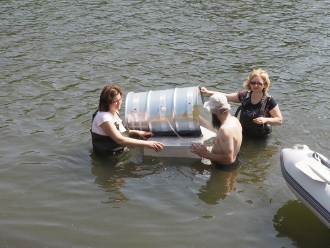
[[144, 135], [259, 120], [205, 91], [157, 146], [275, 119]]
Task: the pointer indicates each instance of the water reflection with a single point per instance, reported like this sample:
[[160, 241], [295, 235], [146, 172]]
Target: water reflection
[[254, 145], [256, 155], [112, 171], [295, 221], [221, 182], [217, 181]]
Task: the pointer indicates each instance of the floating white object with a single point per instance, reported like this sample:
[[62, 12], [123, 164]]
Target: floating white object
[[178, 148], [307, 174]]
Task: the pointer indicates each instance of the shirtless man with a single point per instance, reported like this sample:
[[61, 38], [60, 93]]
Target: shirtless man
[[229, 133]]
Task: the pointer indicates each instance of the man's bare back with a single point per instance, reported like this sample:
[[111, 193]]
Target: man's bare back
[[228, 140]]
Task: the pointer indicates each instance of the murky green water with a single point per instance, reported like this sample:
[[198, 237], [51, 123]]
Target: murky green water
[[57, 55]]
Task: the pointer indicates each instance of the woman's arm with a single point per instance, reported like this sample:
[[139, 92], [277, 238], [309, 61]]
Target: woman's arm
[[275, 119], [231, 97], [110, 129], [142, 134]]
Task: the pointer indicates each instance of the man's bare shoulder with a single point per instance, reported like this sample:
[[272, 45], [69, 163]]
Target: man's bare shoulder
[[231, 125], [230, 122], [234, 119]]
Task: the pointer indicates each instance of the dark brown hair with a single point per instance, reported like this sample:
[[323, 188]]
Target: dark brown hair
[[107, 95], [215, 122]]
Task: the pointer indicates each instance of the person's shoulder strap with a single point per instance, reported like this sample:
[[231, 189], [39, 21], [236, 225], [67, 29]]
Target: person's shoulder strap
[[263, 106], [122, 121], [243, 102], [94, 114], [246, 98]]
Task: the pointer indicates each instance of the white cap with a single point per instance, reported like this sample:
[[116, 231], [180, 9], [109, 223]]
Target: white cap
[[217, 104]]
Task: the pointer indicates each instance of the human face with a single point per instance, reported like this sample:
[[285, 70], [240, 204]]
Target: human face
[[116, 102], [257, 83]]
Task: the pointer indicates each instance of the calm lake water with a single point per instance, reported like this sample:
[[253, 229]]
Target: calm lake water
[[56, 56]]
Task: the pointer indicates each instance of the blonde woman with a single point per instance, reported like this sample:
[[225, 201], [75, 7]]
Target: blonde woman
[[259, 110]]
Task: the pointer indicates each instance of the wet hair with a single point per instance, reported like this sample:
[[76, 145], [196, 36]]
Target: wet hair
[[107, 95], [215, 122], [259, 73]]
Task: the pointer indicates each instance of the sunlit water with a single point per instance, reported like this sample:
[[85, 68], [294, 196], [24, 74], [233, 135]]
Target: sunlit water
[[57, 55]]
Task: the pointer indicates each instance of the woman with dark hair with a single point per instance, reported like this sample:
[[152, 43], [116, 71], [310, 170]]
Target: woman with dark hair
[[108, 132], [259, 110]]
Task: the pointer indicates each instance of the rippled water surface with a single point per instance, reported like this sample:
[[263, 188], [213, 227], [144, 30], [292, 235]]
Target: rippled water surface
[[57, 55]]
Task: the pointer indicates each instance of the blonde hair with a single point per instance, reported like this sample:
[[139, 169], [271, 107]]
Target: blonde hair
[[259, 73]]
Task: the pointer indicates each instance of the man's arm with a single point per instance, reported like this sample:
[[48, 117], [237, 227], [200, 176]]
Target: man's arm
[[223, 150]]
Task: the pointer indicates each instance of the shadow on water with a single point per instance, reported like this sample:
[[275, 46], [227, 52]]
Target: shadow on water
[[295, 221]]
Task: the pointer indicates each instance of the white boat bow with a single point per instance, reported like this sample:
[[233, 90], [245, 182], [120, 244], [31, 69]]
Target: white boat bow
[[307, 174]]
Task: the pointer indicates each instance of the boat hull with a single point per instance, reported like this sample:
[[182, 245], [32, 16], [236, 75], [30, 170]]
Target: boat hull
[[307, 179]]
